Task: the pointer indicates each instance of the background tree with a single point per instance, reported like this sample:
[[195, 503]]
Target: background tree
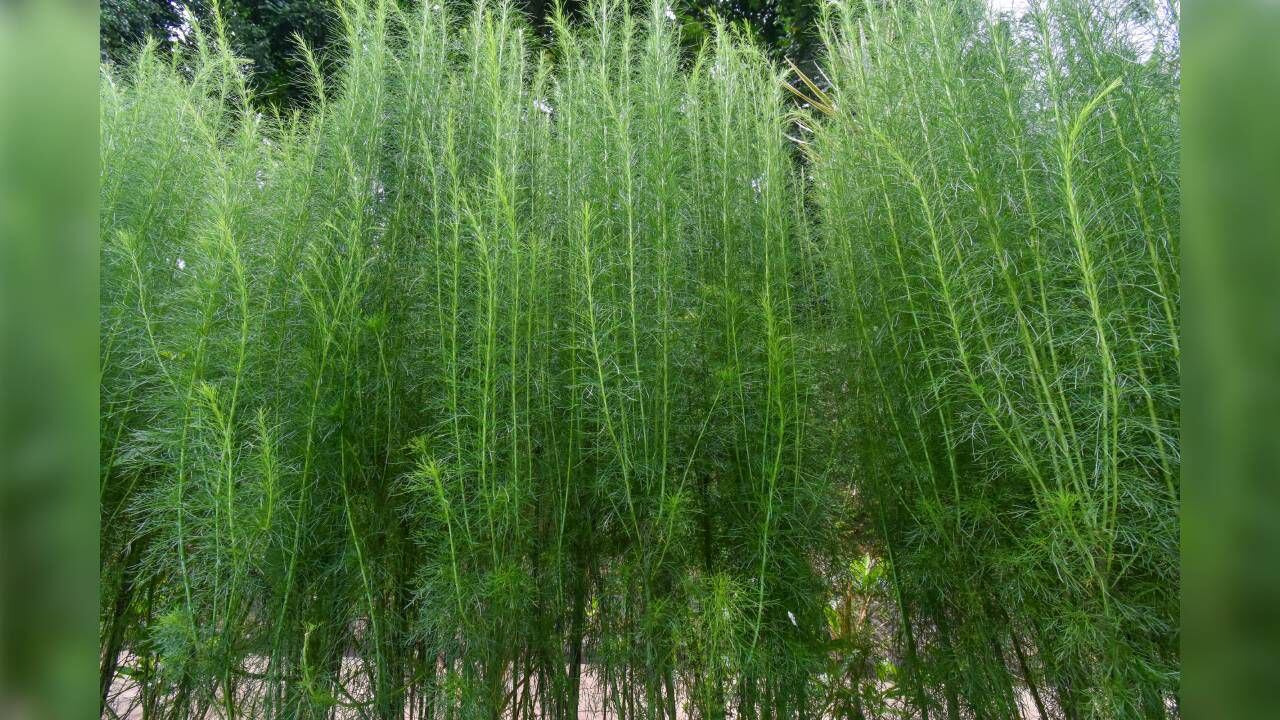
[[264, 31], [125, 24]]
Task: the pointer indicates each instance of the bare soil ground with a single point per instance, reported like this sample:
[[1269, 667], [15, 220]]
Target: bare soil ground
[[125, 699]]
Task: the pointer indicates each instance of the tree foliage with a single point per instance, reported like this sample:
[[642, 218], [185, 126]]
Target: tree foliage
[[266, 31], [125, 24]]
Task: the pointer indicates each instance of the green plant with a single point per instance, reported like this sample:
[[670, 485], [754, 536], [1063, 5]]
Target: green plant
[[512, 377], [1002, 190]]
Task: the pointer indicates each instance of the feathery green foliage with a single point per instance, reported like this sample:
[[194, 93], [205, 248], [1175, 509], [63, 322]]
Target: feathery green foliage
[[1001, 198], [513, 378]]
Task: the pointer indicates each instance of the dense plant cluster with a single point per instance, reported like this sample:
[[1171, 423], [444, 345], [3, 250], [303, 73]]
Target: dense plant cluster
[[1001, 209], [506, 374]]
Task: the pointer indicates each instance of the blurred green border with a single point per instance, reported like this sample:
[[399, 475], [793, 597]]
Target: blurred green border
[[48, 359], [1231, 380]]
